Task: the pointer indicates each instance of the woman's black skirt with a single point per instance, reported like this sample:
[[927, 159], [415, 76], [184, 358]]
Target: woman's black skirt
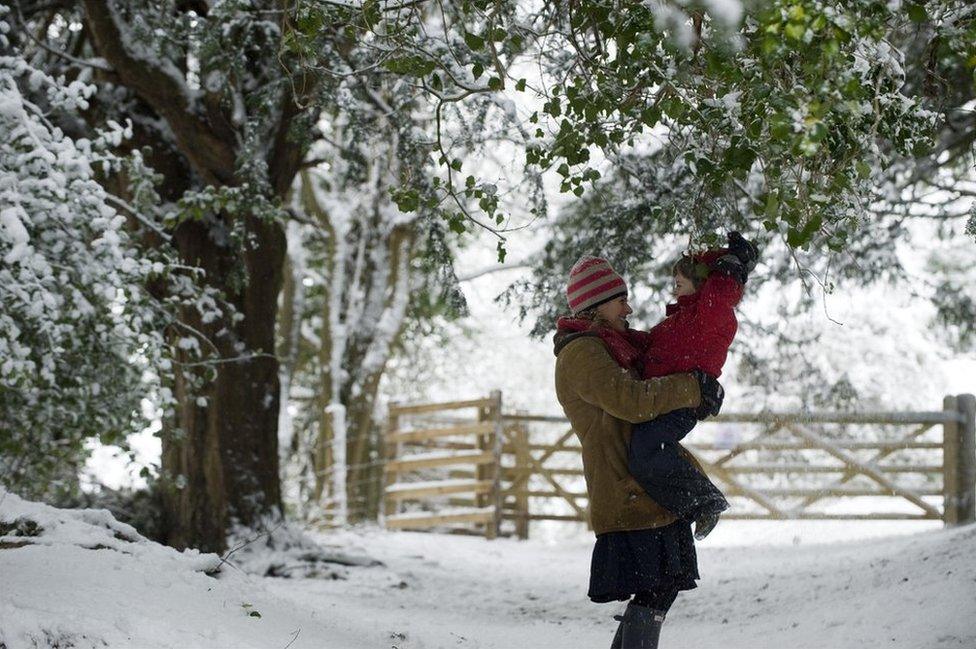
[[637, 561]]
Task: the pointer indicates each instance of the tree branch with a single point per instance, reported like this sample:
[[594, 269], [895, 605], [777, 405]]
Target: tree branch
[[213, 158]]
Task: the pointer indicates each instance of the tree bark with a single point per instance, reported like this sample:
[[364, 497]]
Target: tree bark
[[227, 449]]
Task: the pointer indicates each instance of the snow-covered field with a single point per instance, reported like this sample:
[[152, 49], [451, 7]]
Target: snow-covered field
[[85, 580]]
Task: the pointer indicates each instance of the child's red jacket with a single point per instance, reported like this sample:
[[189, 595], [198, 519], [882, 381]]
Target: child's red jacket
[[698, 328]]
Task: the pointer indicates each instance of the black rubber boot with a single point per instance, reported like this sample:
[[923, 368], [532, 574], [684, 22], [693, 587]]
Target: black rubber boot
[[640, 628], [618, 637]]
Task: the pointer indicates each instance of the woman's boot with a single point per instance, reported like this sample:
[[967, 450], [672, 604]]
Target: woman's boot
[[618, 637], [640, 628]]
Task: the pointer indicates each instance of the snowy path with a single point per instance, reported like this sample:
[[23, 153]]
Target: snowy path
[[909, 592], [78, 578]]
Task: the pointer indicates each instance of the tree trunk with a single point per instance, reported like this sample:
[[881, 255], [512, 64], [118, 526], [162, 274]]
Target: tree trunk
[[365, 442], [227, 449], [220, 455]]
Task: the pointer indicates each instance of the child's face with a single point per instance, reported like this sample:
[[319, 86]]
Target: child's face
[[682, 285]]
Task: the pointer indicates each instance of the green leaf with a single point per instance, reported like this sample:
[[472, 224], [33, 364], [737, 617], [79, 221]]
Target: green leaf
[[740, 156], [477, 70], [917, 13], [473, 41], [498, 34], [796, 31], [500, 249], [371, 12], [310, 23], [407, 200], [456, 164], [456, 223], [780, 127], [495, 83], [650, 116], [673, 107], [863, 169], [520, 85], [417, 66], [772, 205]]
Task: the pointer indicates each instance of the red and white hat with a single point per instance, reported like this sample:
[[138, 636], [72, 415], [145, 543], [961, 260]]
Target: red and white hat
[[592, 281]]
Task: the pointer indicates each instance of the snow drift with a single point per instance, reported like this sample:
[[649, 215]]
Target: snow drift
[[80, 578]]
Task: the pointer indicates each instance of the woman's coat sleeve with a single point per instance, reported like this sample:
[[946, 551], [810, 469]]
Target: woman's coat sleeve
[[590, 374]]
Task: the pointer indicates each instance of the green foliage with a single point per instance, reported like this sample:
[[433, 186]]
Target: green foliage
[[802, 106]]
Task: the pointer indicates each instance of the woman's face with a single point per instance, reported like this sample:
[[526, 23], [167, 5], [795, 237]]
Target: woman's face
[[615, 312], [682, 285]]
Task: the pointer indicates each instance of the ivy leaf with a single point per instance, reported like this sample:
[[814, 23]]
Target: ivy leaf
[[474, 41], [456, 223], [772, 206], [417, 66], [917, 13], [407, 200], [796, 31]]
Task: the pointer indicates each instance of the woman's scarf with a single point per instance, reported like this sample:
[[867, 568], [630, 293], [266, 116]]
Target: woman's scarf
[[626, 347]]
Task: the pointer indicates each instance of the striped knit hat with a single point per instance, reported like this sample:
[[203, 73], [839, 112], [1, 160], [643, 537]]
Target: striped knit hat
[[592, 282]]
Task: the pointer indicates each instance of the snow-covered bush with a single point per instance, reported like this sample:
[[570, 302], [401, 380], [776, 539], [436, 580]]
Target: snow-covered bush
[[81, 338]]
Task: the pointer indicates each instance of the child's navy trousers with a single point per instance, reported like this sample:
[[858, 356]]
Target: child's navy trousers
[[669, 479]]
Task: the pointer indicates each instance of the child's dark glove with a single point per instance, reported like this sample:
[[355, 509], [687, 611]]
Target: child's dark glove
[[712, 395], [744, 250], [732, 266]]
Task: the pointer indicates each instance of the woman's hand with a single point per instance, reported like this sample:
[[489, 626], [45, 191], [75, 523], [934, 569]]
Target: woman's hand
[[712, 395]]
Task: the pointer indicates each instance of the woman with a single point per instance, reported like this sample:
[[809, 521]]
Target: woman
[[642, 551]]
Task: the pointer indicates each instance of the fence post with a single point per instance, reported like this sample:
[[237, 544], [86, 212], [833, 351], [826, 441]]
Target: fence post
[[521, 439], [494, 498], [966, 473], [391, 451], [950, 462]]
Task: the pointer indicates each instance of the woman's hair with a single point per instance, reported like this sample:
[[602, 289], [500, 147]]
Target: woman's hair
[[593, 315], [696, 271]]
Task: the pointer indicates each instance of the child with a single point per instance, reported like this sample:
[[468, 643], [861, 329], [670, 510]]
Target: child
[[694, 336]]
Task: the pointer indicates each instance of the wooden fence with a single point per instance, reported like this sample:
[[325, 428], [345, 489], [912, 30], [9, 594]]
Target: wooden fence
[[468, 451], [517, 468]]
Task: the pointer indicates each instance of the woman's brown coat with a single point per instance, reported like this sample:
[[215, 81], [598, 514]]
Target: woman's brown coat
[[602, 400]]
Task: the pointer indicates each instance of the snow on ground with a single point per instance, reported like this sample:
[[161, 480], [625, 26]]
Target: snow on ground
[[86, 580], [79, 578]]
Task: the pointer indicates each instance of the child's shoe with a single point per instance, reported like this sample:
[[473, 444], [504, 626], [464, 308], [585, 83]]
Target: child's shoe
[[705, 523]]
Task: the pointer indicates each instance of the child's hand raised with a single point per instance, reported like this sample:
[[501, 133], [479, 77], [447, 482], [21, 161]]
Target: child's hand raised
[[745, 250]]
